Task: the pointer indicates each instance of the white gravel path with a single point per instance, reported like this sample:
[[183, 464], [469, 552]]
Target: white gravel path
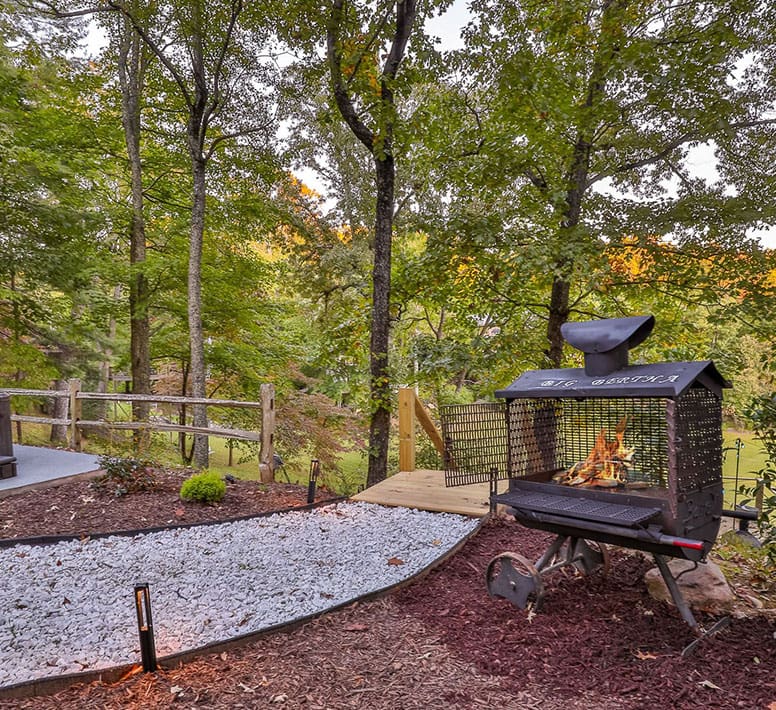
[[69, 607]]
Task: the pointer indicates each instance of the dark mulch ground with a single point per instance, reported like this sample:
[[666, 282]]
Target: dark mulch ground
[[597, 635], [598, 643], [79, 508]]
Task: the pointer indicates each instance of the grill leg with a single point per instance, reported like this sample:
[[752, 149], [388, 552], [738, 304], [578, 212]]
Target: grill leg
[[684, 608], [492, 489], [676, 593], [551, 552]]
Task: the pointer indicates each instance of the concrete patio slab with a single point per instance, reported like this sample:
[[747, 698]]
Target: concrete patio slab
[[37, 466]]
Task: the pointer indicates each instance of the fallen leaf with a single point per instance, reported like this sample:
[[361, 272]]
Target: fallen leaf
[[708, 684], [436, 543], [224, 656], [754, 601], [179, 512], [65, 601], [137, 668], [355, 627], [176, 689], [642, 656], [395, 561], [280, 698]]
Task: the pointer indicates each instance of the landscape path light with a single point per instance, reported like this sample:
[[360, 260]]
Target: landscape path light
[[315, 469], [145, 627]]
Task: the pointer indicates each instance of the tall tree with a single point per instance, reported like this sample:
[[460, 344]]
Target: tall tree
[[364, 94], [576, 96], [209, 52], [132, 64], [52, 237]]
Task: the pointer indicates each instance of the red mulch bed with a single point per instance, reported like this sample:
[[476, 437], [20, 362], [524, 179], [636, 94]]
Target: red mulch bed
[[80, 508], [598, 642], [603, 636]]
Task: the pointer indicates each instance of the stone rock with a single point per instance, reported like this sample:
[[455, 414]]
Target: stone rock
[[704, 588]]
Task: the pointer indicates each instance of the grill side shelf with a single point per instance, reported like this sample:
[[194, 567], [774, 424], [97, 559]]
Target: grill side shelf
[[577, 507]]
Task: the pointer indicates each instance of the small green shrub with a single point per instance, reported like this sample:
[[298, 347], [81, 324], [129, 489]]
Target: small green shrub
[[124, 476], [205, 487]]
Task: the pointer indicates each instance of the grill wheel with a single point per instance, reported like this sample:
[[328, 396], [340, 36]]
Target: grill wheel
[[514, 578]]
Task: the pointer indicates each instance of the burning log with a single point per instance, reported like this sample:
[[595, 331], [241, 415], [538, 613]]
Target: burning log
[[607, 464]]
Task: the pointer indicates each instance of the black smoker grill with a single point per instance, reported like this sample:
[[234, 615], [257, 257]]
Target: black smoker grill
[[629, 455]]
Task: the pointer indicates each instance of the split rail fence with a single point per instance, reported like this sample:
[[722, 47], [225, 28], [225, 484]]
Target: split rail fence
[[69, 409]]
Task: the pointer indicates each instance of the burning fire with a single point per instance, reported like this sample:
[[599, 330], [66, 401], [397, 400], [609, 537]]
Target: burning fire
[[606, 466]]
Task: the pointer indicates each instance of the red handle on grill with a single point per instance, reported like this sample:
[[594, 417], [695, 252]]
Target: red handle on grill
[[680, 542]]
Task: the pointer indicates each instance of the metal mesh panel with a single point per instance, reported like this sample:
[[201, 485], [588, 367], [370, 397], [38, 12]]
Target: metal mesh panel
[[698, 440], [534, 444], [475, 442], [548, 436]]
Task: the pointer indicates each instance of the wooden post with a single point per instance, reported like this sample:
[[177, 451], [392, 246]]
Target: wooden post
[[406, 429], [267, 451], [75, 414]]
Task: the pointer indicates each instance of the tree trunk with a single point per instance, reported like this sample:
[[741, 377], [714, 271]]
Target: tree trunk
[[196, 336], [559, 314], [59, 411], [379, 384], [379, 144], [131, 75], [577, 187], [185, 454], [560, 305]]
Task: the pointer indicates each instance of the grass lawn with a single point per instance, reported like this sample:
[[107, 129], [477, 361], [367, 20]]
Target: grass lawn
[[740, 465]]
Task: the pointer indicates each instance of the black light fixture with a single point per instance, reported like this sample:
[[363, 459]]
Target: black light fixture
[[315, 469], [145, 627]]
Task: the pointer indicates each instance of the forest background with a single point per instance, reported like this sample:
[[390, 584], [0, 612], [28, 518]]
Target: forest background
[[468, 201]]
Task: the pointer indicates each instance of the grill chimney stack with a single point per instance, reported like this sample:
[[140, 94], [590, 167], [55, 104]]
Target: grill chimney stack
[[606, 343]]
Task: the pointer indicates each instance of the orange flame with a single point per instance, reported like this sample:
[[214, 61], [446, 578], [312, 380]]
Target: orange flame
[[606, 465]]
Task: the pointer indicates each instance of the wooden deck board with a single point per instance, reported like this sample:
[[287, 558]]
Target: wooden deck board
[[426, 490]]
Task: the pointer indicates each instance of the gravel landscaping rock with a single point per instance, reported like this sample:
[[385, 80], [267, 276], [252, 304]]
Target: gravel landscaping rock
[[69, 607]]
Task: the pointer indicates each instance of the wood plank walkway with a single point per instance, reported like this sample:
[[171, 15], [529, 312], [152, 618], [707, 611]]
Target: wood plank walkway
[[426, 490]]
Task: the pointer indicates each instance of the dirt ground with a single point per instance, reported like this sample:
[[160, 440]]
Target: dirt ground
[[597, 643]]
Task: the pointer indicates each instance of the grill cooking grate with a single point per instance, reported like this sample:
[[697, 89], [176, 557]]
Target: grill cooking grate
[[581, 508]]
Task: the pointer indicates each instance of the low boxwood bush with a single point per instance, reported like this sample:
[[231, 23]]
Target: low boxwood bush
[[124, 475], [205, 487]]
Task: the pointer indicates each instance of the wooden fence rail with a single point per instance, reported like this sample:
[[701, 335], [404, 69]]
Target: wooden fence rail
[[76, 424]]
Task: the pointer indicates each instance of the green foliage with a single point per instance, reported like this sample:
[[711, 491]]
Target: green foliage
[[205, 487], [124, 476], [742, 562], [762, 414]]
